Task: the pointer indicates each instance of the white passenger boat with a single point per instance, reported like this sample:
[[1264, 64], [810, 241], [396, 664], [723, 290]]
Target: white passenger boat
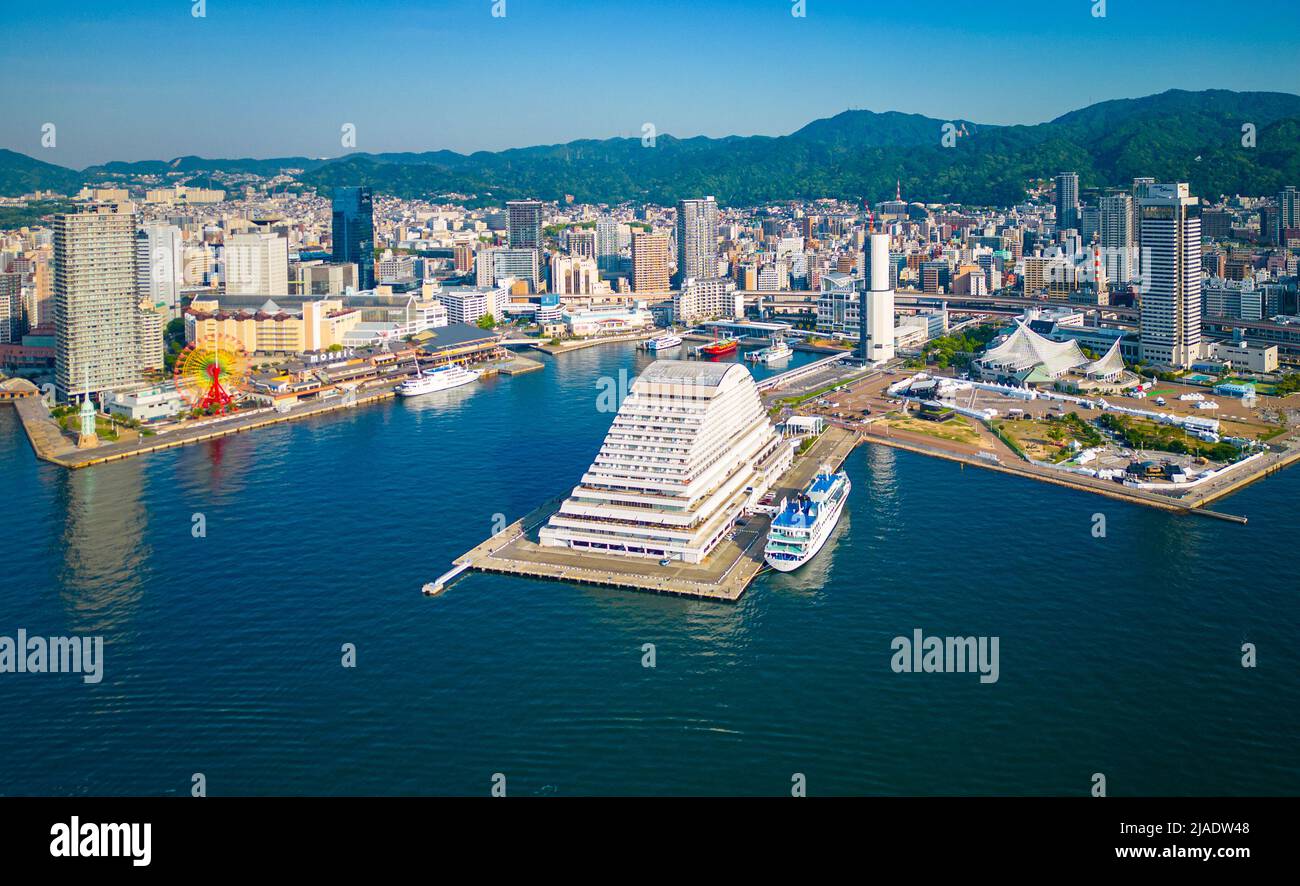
[[663, 342], [802, 524], [439, 379], [777, 351]]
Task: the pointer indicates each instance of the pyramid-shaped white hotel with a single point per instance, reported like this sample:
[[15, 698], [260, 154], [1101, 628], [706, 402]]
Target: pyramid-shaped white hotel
[[689, 450]]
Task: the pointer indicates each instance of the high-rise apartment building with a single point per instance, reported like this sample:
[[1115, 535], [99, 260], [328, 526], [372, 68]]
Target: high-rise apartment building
[[1118, 237], [650, 262], [11, 307], [97, 328], [257, 264], [353, 232], [1170, 324], [607, 246], [524, 224], [697, 239], [1067, 201], [1288, 213]]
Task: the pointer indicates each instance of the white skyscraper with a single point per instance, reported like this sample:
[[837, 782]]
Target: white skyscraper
[[878, 312], [256, 264], [160, 267], [1171, 275]]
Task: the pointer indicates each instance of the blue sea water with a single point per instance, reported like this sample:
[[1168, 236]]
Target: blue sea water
[[1119, 655]]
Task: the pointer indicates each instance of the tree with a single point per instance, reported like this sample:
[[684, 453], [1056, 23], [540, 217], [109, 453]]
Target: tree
[[487, 321]]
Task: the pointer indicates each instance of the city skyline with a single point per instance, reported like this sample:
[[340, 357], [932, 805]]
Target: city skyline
[[116, 109]]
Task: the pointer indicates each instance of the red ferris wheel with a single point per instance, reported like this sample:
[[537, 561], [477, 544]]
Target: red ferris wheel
[[212, 374]]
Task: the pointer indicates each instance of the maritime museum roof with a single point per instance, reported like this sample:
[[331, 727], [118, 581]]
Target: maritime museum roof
[[1025, 349]]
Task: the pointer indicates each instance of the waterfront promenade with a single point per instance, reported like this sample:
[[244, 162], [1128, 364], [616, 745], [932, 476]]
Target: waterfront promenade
[[52, 445]]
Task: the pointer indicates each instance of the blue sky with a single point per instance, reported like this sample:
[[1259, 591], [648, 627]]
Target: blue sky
[[150, 81]]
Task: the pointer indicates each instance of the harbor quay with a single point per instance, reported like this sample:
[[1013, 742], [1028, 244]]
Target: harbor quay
[[53, 445], [1007, 432], [723, 576]]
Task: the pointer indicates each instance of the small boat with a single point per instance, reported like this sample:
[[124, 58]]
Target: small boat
[[720, 347], [663, 342], [802, 524]]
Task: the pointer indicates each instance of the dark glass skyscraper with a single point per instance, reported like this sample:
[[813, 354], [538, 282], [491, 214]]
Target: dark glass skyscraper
[[354, 232]]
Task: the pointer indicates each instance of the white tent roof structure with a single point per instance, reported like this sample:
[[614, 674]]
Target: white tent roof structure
[[1109, 366], [1025, 349]]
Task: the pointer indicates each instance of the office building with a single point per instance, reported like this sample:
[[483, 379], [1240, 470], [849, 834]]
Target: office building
[[708, 299], [353, 232], [160, 267], [839, 307], [495, 266], [1170, 323], [1067, 201], [256, 264], [470, 304], [323, 278]]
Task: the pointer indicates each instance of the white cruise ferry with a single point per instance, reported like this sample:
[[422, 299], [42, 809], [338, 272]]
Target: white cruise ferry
[[774, 353], [439, 379], [802, 524], [663, 342]]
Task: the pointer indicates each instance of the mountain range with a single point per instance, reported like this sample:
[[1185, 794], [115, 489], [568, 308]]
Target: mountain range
[[1174, 136]]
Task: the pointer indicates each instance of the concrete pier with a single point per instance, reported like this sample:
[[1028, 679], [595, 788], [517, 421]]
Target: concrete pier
[[722, 578]]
